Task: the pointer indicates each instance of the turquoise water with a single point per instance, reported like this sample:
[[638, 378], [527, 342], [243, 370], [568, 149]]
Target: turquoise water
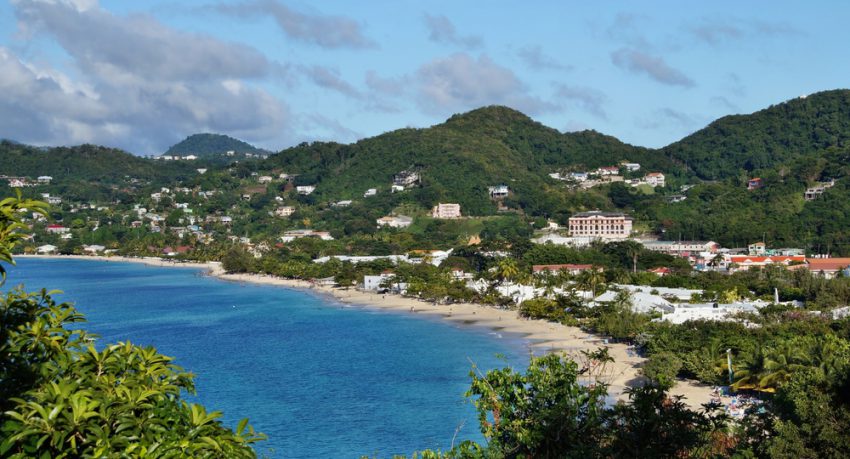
[[320, 378]]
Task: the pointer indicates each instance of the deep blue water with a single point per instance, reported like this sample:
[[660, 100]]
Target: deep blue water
[[320, 378]]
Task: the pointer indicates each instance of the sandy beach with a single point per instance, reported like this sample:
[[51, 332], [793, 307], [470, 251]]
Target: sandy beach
[[542, 336]]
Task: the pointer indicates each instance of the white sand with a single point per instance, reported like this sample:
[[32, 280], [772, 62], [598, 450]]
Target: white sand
[[542, 336]]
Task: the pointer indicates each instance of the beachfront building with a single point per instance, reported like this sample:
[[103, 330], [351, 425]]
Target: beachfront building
[[446, 211], [46, 249], [601, 225]]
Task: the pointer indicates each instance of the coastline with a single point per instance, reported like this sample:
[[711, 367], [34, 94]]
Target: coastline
[[542, 336]]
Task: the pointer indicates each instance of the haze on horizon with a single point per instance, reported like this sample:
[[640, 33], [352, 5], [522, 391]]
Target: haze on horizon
[[275, 73]]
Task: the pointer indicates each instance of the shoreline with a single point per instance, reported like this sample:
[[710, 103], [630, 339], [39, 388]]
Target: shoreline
[[541, 336]]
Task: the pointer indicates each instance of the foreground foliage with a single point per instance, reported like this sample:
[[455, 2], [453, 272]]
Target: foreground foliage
[[62, 397]]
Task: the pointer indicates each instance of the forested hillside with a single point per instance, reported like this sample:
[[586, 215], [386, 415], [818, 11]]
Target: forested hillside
[[460, 158], [205, 145], [767, 138], [85, 162]]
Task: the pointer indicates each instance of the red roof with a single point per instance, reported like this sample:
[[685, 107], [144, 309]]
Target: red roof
[[568, 267], [661, 270], [55, 226], [740, 259], [827, 264]]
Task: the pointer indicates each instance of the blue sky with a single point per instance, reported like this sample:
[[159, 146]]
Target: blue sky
[[143, 75]]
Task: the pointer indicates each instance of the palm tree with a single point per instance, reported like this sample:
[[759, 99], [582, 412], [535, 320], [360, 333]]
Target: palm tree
[[781, 362], [591, 278], [507, 269], [750, 373]]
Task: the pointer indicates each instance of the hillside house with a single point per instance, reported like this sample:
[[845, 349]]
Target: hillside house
[[290, 236], [498, 191], [448, 210], [305, 190], [654, 179], [344, 203], [396, 188], [755, 183], [813, 193], [370, 192], [406, 179], [400, 221], [745, 262], [264, 179], [57, 229], [631, 167], [608, 170], [44, 179], [284, 211]]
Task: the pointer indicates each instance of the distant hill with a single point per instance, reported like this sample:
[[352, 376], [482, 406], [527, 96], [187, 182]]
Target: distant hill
[[209, 145], [84, 162], [460, 158], [767, 138]]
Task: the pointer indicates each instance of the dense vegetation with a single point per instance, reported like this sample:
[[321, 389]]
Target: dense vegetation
[[210, 145], [766, 139], [61, 396]]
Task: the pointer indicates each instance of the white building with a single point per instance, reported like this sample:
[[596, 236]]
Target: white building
[[396, 188], [631, 167], [370, 192], [46, 249], [305, 190], [498, 191], [446, 211], [654, 179], [345, 203], [44, 179], [284, 211], [400, 221], [264, 179]]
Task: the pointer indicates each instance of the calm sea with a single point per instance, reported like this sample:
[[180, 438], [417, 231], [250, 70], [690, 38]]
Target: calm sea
[[320, 378]]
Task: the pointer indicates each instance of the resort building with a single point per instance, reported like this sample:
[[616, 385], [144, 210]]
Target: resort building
[[446, 211], [602, 225], [827, 267]]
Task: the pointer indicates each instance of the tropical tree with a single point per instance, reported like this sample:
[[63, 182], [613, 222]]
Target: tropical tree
[[507, 270]]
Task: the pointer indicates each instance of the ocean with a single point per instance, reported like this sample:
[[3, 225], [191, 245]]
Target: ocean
[[322, 379]]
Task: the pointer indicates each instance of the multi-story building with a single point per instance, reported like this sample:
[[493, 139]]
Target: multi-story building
[[603, 225], [446, 211]]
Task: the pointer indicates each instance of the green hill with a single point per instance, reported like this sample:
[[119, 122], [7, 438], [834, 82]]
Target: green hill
[[459, 159], [207, 145], [767, 138], [85, 162]]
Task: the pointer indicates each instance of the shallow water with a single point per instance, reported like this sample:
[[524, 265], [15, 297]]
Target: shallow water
[[320, 378]]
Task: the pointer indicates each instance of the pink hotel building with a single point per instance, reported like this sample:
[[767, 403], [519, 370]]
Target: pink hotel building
[[603, 225]]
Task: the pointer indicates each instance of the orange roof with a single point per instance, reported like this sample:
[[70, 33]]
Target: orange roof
[[827, 264], [779, 259]]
